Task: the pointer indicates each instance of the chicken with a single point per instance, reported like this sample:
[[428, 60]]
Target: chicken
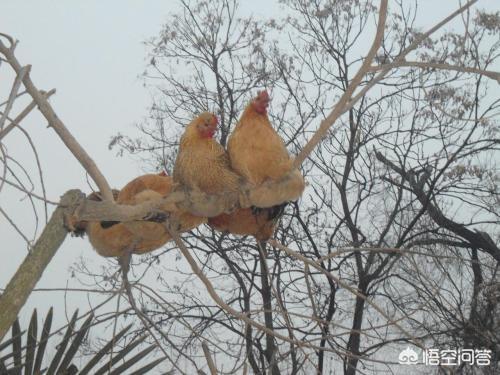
[[117, 238], [257, 153], [244, 222], [202, 163], [255, 150]]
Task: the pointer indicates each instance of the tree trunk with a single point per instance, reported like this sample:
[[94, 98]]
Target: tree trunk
[[270, 351], [29, 272], [351, 363]]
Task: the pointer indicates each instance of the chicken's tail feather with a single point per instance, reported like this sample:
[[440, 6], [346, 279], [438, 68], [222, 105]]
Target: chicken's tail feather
[[96, 196], [273, 213], [108, 224]]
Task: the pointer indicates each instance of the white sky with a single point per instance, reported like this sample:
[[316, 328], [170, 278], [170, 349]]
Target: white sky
[[91, 51]]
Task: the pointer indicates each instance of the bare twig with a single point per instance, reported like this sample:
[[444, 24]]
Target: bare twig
[[23, 72], [15, 122], [401, 57], [18, 187], [346, 97], [16, 228], [54, 121], [346, 102], [146, 321], [243, 317], [344, 285]]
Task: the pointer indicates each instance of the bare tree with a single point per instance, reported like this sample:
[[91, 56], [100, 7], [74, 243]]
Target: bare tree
[[354, 199], [396, 235]]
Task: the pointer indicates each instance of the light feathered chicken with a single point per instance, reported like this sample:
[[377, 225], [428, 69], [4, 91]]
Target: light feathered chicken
[[246, 222], [258, 153], [202, 163], [255, 149], [114, 239]]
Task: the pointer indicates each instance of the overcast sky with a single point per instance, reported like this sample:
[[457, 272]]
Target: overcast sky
[[91, 51]]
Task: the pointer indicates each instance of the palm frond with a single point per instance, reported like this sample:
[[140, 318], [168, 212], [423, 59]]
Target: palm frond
[[31, 356]]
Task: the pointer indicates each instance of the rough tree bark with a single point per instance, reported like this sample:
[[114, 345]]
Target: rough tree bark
[[30, 271]]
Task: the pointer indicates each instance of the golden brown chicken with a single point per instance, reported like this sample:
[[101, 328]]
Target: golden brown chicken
[[114, 239], [246, 222], [202, 163], [257, 153], [255, 150]]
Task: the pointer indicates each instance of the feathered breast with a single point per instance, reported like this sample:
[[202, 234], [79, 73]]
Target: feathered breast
[[256, 151]]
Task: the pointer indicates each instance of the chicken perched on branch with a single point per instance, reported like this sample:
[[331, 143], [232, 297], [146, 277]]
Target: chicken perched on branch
[[114, 239], [202, 163], [258, 153], [255, 149], [246, 222]]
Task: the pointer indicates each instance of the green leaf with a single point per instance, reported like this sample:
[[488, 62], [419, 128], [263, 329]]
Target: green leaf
[[145, 369], [101, 353], [17, 347], [3, 369], [43, 342], [132, 361], [31, 344], [5, 344], [62, 346], [77, 341], [120, 355]]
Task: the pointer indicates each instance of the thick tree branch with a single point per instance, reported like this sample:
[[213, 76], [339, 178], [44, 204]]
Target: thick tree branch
[[431, 65], [270, 351], [30, 271], [196, 202], [208, 357], [476, 239]]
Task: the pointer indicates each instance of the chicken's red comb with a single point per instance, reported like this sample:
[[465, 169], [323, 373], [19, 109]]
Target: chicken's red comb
[[263, 95], [163, 174]]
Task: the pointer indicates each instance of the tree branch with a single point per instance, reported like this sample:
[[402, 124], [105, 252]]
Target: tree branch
[[477, 239], [15, 122], [30, 271], [346, 102], [430, 65], [346, 97], [196, 202], [54, 121]]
